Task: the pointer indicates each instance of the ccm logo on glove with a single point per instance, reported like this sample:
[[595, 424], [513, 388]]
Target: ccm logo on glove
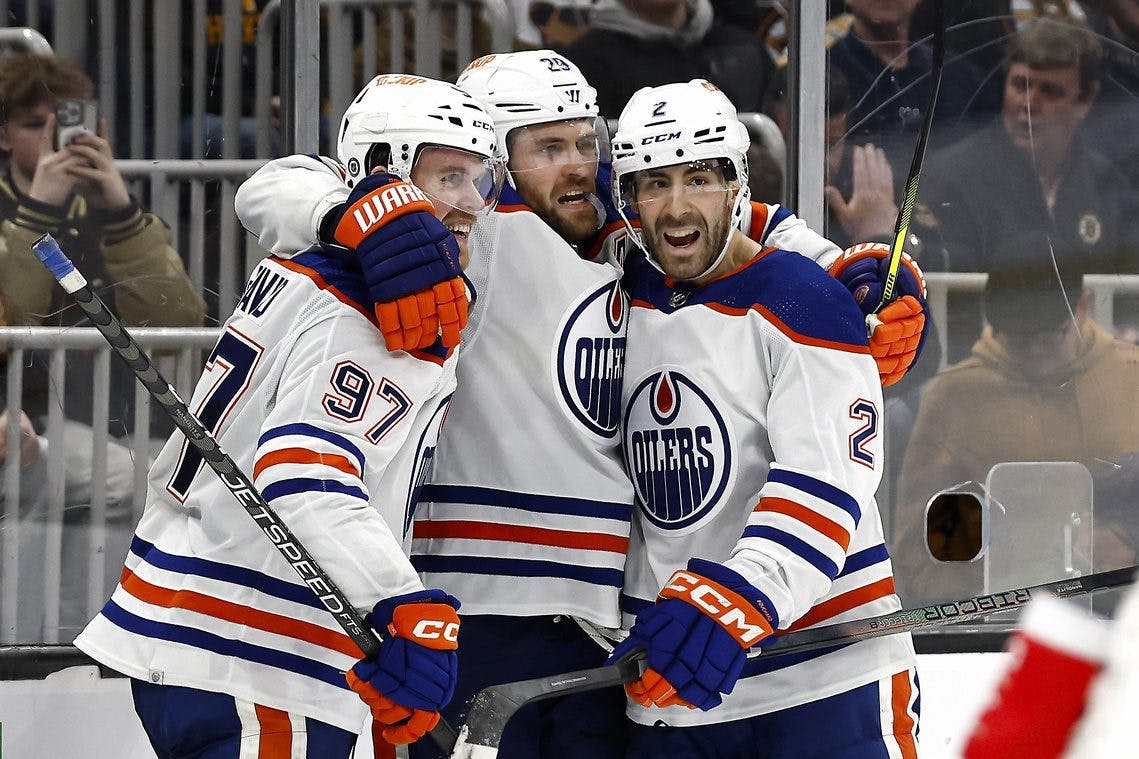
[[431, 625], [379, 208], [430, 629], [732, 611]]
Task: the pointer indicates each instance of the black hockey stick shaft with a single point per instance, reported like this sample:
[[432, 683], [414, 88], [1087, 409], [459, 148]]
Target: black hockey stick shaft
[[494, 706], [238, 483], [910, 193], [945, 613]]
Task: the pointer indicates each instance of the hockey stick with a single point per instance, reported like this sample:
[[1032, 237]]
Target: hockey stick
[[243, 489], [910, 195], [494, 706]]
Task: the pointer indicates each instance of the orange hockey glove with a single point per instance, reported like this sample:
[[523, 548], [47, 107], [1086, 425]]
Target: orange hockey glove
[[898, 331], [410, 262]]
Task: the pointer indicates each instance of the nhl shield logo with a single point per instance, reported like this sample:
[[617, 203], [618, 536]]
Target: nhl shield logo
[[589, 363], [677, 449]]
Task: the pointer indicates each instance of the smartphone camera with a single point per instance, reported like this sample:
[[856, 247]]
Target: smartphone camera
[[74, 118]]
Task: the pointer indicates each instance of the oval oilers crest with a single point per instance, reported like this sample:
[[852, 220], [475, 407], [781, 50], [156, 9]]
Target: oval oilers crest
[[589, 361], [677, 449]]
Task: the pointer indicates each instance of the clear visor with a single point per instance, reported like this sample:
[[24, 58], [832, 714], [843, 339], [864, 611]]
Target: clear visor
[[556, 144], [458, 179], [692, 179]]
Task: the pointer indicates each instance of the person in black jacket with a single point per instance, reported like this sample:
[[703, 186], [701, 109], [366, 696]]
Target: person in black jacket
[[647, 43], [1031, 171]]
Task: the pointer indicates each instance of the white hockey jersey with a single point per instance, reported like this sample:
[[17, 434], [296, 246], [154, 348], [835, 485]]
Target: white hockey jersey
[[336, 433], [527, 508], [752, 432]]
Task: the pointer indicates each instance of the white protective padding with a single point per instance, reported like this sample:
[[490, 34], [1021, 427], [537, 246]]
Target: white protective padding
[[407, 112], [675, 124], [527, 88]]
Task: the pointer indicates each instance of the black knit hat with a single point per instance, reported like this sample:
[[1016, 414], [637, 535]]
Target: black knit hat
[[1037, 287]]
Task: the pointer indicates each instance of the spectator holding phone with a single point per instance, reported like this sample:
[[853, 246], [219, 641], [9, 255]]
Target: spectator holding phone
[[76, 192]]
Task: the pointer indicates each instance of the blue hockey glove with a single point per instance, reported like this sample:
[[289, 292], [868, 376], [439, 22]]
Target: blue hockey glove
[[410, 262], [696, 636], [413, 676], [897, 331]]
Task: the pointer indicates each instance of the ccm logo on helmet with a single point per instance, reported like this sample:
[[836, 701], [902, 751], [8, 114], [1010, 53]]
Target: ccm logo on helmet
[[662, 137], [709, 599], [430, 629], [395, 196]]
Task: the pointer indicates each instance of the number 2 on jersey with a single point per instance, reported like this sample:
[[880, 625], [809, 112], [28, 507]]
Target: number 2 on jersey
[[227, 373], [867, 412]]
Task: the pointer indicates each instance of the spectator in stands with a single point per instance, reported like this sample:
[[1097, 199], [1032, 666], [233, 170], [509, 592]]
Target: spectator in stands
[[1043, 383], [1030, 169], [642, 43], [209, 144], [889, 76], [560, 22], [78, 195], [1112, 124], [860, 180]]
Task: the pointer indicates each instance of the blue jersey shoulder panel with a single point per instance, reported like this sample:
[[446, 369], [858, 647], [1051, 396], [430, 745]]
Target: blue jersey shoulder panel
[[786, 285]]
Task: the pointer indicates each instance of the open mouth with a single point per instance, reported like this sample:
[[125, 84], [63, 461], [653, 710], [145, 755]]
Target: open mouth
[[459, 227], [682, 238], [573, 199]]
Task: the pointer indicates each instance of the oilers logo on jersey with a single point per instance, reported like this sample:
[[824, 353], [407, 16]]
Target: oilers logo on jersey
[[590, 358], [677, 448]]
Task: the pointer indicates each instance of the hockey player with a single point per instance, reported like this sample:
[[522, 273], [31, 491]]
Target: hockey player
[[229, 654], [526, 513], [751, 413]]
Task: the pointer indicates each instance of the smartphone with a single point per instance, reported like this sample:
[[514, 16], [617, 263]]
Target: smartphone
[[73, 118]]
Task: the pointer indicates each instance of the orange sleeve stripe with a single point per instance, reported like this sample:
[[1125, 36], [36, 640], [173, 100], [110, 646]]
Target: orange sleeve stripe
[[277, 624], [903, 721], [589, 541], [276, 739], [304, 456], [843, 603], [812, 519]]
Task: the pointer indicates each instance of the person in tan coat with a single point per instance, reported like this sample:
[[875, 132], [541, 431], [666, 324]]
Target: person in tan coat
[[76, 193], [1043, 383]]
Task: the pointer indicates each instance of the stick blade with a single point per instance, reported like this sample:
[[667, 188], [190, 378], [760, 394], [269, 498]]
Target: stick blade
[[493, 707]]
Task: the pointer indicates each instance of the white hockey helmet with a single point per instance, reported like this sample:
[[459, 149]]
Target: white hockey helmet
[[406, 113], [527, 88], [678, 124]]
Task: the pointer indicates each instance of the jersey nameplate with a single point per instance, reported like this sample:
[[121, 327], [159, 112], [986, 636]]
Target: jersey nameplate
[[263, 288]]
